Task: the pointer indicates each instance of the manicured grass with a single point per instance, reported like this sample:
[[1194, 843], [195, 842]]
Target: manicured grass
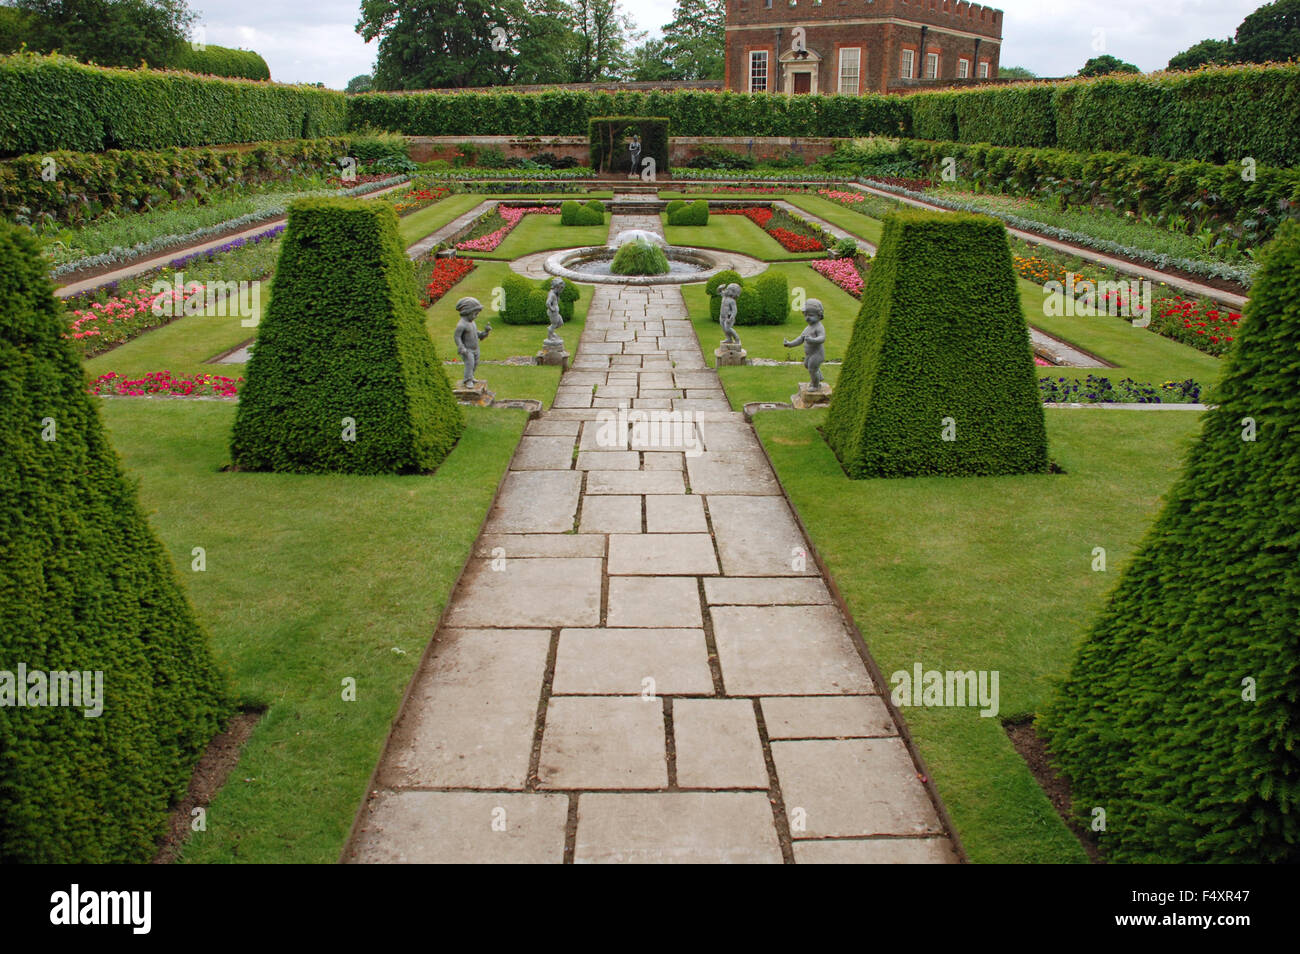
[[309, 580], [764, 341], [862, 226], [985, 574], [1136, 352], [771, 383], [181, 347], [419, 224], [506, 340], [732, 233], [539, 233]]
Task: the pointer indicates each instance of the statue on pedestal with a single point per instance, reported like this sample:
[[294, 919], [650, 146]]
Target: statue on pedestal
[[467, 337], [553, 312], [813, 340], [727, 313], [634, 147]]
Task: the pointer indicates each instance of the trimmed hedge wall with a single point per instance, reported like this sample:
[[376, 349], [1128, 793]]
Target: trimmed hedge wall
[[691, 113], [88, 184], [1157, 722], [51, 102], [85, 585], [613, 156], [1217, 114], [525, 300], [222, 61], [1141, 184], [343, 338], [940, 336]]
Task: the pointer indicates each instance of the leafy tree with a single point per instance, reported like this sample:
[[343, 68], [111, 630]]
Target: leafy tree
[[431, 44], [1105, 65], [696, 39], [1207, 51], [360, 84], [1270, 33], [544, 49], [1015, 72], [109, 32], [650, 62], [603, 31]]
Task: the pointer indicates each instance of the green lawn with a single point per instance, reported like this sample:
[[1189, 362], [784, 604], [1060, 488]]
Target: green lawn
[[309, 580], [539, 233], [986, 574], [419, 224], [732, 233], [764, 341], [181, 347], [853, 222], [1136, 352]]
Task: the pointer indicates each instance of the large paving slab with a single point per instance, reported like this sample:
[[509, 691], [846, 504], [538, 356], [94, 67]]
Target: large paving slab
[[463, 828], [642, 661], [677, 828]]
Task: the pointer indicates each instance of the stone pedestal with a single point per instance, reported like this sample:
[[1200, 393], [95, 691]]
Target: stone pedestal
[[809, 396], [478, 394], [553, 354], [730, 354]]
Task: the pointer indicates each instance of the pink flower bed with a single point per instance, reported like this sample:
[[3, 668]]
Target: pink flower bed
[[512, 216], [162, 382], [842, 197], [842, 272]]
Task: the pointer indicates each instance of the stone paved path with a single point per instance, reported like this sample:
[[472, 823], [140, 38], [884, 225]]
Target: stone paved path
[[641, 662]]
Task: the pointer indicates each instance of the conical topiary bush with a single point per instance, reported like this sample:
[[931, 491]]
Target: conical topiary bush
[[343, 377], [85, 587], [938, 378], [1181, 715]]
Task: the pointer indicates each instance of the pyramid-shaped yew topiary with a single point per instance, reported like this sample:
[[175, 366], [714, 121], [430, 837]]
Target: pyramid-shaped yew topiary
[[938, 378], [85, 587], [343, 377], [1181, 715]]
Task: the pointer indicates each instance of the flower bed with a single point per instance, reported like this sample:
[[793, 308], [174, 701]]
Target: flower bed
[[103, 325], [512, 216], [418, 199], [794, 242], [1201, 324], [781, 226], [446, 273], [208, 255], [1098, 390], [162, 383], [843, 272]]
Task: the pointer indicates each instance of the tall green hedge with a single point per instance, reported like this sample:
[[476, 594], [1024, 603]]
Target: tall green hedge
[[1179, 715], [1195, 191], [90, 184], [222, 61], [342, 349], [1218, 114], [51, 102], [940, 349], [85, 585], [690, 112]]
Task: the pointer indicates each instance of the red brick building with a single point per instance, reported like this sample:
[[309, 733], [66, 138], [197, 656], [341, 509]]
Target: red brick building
[[859, 46]]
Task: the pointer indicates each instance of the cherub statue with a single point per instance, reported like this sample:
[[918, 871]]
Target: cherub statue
[[553, 311], [467, 336], [813, 340], [727, 313]]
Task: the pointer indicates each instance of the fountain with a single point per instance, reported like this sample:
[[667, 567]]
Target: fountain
[[592, 264]]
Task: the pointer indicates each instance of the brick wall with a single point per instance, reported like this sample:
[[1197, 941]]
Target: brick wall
[[680, 148]]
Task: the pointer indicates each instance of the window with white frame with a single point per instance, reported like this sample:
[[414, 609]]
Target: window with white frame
[[850, 69], [758, 71], [931, 65], [963, 68], [984, 71], [905, 67]]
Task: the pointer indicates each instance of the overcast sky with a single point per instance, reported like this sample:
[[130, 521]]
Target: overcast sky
[[315, 40]]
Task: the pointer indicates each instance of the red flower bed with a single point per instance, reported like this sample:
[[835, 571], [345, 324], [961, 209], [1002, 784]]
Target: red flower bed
[[794, 242], [758, 216], [418, 199], [1201, 324], [162, 382], [446, 273]]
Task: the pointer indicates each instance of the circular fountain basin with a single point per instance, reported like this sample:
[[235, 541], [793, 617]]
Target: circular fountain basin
[[638, 235], [592, 264]]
